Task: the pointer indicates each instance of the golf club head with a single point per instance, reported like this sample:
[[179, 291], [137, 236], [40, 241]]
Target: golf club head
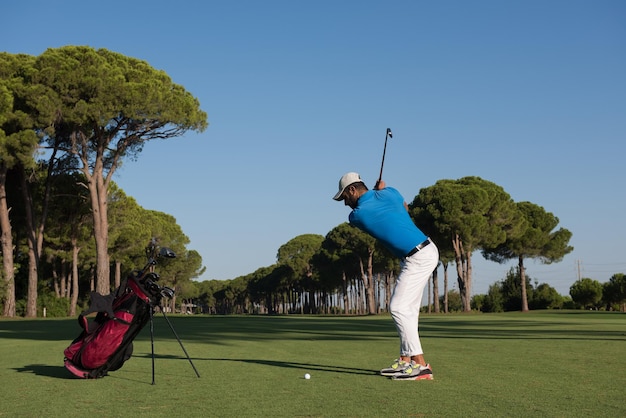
[[389, 133], [167, 253]]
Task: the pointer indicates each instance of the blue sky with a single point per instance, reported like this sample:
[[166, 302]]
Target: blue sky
[[530, 95]]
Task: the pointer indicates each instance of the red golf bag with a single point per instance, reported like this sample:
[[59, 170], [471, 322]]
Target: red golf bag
[[106, 342]]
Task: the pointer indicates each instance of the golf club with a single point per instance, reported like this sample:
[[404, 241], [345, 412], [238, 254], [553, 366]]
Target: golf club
[[387, 135]]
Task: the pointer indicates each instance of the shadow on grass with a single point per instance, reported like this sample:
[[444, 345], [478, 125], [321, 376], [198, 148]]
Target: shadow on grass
[[302, 366], [58, 372], [214, 329], [273, 363]]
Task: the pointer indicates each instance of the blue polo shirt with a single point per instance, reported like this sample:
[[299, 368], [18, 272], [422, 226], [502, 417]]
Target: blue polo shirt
[[381, 213]]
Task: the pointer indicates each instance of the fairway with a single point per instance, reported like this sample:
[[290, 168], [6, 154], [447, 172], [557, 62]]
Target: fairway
[[544, 364]]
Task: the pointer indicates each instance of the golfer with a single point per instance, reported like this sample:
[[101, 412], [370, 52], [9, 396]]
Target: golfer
[[383, 214]]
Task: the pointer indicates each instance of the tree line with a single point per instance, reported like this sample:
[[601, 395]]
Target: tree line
[[303, 281], [71, 116]]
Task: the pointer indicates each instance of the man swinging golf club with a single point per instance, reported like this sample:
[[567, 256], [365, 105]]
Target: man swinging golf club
[[383, 214]]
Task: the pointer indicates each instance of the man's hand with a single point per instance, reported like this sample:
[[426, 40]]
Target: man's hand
[[380, 184]]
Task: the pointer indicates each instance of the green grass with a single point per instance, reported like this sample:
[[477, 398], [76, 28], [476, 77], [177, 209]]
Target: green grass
[[540, 364]]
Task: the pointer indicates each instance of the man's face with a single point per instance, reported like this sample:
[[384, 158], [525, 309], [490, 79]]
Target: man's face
[[350, 197]]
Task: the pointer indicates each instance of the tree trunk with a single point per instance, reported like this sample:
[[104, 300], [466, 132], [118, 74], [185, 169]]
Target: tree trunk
[[436, 291], [98, 192], [356, 307], [98, 196], [463, 271], [387, 292], [118, 274], [388, 279], [35, 232], [376, 288], [57, 282], [7, 248], [92, 279], [364, 279], [370, 300], [445, 287], [67, 278], [31, 301], [522, 275], [172, 304], [362, 298], [459, 262], [346, 301], [33, 256], [74, 288], [430, 301], [468, 283]]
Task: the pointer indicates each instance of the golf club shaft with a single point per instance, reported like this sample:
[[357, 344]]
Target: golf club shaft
[[152, 338], [380, 176]]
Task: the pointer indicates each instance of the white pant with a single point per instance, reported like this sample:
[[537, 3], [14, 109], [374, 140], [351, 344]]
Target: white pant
[[407, 295]]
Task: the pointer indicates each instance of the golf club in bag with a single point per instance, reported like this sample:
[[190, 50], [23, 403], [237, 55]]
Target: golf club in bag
[[380, 176], [106, 342]]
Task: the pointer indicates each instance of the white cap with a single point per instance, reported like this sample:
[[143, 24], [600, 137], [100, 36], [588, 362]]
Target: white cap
[[346, 180]]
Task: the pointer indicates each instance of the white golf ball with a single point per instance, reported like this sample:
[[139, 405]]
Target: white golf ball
[[307, 376]]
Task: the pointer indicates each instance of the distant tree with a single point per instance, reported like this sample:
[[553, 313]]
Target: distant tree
[[586, 292], [425, 217], [298, 253], [206, 294], [468, 214], [614, 291], [238, 294], [568, 303], [188, 266], [455, 304], [546, 297], [478, 302], [512, 291], [538, 240], [331, 266], [273, 284], [187, 292], [359, 249], [108, 107], [494, 301], [386, 269], [262, 288]]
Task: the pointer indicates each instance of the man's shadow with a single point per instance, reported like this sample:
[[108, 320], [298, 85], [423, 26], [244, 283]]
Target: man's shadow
[[60, 372], [303, 366]]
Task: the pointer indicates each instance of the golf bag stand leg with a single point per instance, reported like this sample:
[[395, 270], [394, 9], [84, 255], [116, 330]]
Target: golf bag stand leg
[[180, 342], [152, 339]]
